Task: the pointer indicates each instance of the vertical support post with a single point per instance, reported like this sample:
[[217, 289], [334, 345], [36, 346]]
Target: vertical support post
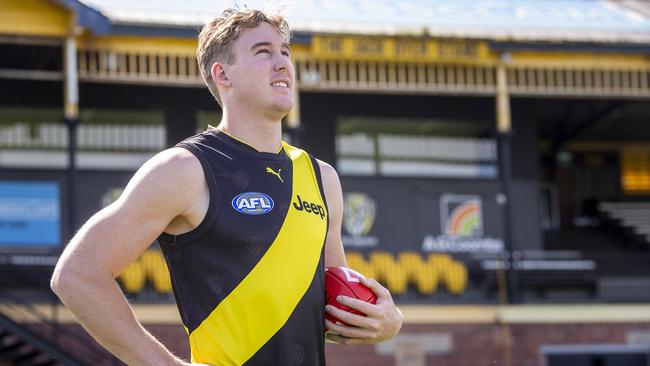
[[504, 145], [71, 120], [180, 123], [293, 118], [504, 120], [504, 142]]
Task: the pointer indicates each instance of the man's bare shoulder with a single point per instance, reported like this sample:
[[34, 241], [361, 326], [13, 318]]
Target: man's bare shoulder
[[327, 171], [174, 174], [331, 184], [175, 160], [173, 165]]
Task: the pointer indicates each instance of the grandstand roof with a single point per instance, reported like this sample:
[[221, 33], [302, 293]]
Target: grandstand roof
[[504, 20]]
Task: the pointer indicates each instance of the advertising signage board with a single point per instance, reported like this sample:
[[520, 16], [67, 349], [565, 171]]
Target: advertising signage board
[[396, 215], [30, 214]]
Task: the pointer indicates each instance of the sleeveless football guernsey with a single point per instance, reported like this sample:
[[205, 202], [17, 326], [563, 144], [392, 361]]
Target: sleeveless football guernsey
[[249, 280]]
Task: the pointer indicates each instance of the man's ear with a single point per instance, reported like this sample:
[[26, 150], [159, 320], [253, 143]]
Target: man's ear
[[219, 74]]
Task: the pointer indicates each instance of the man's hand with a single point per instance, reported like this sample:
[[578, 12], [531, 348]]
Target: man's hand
[[382, 320]]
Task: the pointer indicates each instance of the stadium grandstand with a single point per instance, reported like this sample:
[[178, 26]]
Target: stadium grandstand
[[494, 157]]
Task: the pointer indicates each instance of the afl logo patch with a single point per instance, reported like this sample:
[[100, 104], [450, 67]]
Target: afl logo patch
[[252, 203]]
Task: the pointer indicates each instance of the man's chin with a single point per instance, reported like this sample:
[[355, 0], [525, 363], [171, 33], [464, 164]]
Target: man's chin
[[281, 109]]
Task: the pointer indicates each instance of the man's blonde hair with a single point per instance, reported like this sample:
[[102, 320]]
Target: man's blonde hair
[[217, 37]]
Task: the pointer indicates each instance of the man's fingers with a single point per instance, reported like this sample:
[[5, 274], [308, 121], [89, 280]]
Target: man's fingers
[[329, 340], [379, 321], [363, 306], [329, 325], [352, 319], [344, 340], [349, 332], [376, 287]]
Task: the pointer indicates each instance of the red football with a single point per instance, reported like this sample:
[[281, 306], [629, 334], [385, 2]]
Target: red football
[[345, 281]]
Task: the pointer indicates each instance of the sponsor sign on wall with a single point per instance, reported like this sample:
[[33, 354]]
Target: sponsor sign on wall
[[29, 214], [359, 214], [396, 215], [461, 227]]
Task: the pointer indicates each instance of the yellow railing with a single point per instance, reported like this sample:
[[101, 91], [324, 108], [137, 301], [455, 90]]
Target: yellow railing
[[384, 76], [574, 80], [395, 76], [140, 67]]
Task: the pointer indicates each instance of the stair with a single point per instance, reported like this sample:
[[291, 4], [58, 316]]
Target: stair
[[633, 216], [21, 347], [38, 338]]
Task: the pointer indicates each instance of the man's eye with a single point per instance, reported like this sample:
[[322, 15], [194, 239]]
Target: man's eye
[[263, 50], [285, 53]]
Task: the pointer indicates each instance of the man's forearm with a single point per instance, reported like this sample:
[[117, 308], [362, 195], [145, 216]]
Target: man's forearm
[[103, 311]]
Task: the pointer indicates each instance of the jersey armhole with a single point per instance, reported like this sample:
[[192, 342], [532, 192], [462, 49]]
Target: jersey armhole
[[319, 179], [212, 212]]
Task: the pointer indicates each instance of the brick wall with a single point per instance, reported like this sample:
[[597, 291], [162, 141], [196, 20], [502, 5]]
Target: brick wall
[[478, 345], [459, 344]]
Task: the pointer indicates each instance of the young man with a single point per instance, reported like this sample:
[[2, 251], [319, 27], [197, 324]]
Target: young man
[[247, 224]]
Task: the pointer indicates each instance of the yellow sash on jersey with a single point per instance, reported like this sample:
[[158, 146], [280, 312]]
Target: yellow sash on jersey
[[248, 317]]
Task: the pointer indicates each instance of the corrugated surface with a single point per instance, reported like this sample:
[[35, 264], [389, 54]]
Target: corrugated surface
[[577, 20]]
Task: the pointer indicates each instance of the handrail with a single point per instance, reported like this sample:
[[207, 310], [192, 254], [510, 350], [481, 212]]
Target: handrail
[[38, 342], [10, 303]]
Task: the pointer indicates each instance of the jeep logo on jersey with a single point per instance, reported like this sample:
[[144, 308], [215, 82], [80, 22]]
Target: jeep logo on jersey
[[309, 207], [252, 203]]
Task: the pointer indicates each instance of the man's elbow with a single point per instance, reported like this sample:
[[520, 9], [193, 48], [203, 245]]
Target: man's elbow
[[66, 279], [61, 279], [70, 277]]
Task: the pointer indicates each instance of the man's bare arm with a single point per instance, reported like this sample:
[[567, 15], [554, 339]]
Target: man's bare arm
[[167, 187], [334, 254], [381, 320]]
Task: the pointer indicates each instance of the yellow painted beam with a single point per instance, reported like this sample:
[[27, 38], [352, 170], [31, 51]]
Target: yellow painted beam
[[411, 49], [563, 60], [447, 314], [423, 314], [152, 45], [150, 314], [33, 18], [135, 44], [579, 313]]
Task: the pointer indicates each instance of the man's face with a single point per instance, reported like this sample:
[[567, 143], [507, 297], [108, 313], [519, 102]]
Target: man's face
[[262, 76]]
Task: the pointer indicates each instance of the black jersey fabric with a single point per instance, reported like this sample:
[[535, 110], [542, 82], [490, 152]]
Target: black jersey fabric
[[249, 280]]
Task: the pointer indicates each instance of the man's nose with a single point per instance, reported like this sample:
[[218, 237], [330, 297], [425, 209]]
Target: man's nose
[[282, 63]]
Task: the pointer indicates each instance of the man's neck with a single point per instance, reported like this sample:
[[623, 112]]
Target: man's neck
[[263, 135]]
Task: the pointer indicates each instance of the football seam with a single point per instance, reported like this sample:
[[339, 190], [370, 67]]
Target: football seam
[[345, 283]]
